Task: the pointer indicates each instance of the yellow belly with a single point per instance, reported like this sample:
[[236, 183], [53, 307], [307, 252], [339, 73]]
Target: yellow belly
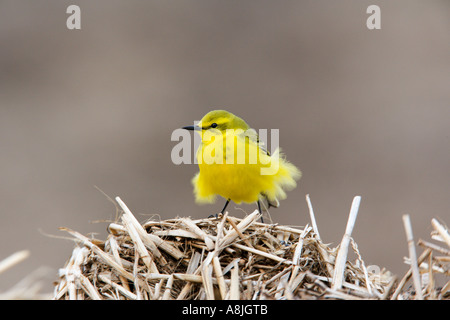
[[238, 182]]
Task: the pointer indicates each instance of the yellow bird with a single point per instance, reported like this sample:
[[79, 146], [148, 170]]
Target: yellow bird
[[234, 164]]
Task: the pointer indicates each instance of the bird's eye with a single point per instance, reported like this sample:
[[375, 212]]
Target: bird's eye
[[214, 125]]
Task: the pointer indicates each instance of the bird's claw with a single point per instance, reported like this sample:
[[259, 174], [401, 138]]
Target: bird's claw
[[285, 243]]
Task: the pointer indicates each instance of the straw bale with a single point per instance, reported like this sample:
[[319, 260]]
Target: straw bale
[[234, 258]]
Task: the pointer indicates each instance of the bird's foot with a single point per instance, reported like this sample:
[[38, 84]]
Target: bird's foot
[[285, 243], [217, 215]]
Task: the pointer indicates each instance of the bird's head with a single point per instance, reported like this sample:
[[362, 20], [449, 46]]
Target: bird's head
[[220, 120]]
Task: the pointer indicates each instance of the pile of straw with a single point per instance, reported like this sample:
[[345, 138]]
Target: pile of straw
[[225, 258]]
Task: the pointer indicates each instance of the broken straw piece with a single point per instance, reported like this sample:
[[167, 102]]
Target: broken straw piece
[[338, 277], [413, 256]]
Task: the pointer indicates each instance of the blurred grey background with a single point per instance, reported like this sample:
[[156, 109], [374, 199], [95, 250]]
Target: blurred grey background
[[360, 112]]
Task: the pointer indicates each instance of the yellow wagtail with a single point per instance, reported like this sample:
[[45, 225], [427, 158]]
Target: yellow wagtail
[[233, 164]]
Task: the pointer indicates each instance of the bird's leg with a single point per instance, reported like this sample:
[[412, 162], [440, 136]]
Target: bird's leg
[[260, 211], [223, 210], [225, 206]]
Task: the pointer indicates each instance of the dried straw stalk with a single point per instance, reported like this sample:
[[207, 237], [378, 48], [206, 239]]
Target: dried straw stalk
[[341, 259]]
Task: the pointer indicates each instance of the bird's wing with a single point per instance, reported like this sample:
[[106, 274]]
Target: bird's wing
[[253, 136]]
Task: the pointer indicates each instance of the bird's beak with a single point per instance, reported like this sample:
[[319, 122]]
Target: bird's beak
[[197, 128]]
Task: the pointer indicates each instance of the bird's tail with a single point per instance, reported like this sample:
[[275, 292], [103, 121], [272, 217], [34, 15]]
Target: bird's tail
[[284, 180]]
